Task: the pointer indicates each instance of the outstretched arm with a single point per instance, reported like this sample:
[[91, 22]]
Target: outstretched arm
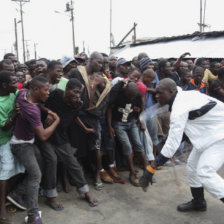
[[177, 63], [177, 125]]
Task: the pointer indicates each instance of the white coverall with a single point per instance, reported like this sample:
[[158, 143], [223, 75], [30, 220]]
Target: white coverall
[[206, 133]]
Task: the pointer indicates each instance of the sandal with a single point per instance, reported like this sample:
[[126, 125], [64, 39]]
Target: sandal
[[93, 202], [120, 181], [98, 186], [113, 172], [105, 177]]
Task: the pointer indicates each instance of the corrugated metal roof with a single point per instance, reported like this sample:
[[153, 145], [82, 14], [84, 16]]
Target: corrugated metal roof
[[210, 45]]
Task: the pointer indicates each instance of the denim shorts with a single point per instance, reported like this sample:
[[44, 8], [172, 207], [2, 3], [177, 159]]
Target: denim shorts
[[9, 165], [128, 135]]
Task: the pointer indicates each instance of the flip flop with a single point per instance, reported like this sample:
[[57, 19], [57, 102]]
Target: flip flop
[[98, 186], [93, 202], [4, 221], [51, 206]]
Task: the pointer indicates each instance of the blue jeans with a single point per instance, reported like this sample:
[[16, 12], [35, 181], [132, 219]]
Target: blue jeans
[[152, 126], [29, 156], [127, 133]]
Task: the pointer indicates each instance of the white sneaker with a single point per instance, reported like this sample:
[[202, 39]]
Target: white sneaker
[[26, 218]]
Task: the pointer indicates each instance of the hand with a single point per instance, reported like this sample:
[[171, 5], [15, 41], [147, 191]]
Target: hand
[[153, 165], [142, 126], [17, 108], [54, 115], [49, 120], [89, 131], [185, 54], [146, 178], [112, 133]]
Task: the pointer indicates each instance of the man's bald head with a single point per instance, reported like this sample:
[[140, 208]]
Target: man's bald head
[[167, 84], [131, 90], [95, 63], [96, 55], [165, 91]]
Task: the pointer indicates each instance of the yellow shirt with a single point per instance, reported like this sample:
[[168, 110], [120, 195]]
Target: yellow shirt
[[209, 77]]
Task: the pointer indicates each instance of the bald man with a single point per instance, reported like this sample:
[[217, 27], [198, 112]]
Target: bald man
[[201, 118], [123, 118]]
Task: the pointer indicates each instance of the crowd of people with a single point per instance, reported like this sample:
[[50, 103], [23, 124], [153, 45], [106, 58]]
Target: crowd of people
[[59, 118]]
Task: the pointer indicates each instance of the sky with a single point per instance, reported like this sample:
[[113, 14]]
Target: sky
[[52, 32]]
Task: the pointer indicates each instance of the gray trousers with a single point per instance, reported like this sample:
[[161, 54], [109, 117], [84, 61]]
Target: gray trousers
[[28, 155], [65, 153]]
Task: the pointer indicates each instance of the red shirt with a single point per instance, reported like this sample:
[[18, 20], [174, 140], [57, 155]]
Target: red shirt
[[142, 88], [19, 85]]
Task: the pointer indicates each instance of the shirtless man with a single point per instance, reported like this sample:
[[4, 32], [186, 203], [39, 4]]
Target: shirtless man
[[95, 102]]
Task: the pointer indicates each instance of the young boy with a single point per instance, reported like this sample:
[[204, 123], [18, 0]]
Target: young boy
[[135, 76], [197, 83], [150, 80], [28, 124], [55, 76], [8, 166], [21, 78]]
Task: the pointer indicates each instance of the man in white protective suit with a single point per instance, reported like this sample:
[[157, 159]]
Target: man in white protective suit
[[201, 118]]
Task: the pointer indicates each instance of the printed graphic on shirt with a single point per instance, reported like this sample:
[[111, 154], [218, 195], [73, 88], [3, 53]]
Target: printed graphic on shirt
[[125, 111]]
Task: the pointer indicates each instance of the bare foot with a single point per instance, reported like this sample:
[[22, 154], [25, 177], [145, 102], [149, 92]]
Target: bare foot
[[54, 204]]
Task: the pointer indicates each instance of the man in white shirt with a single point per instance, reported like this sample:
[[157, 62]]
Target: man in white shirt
[[201, 118]]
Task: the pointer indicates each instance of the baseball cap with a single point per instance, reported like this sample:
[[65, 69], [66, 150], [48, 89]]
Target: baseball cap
[[122, 61], [66, 60]]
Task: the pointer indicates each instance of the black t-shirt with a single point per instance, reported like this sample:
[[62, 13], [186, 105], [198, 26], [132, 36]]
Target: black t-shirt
[[123, 107], [67, 114], [214, 90]]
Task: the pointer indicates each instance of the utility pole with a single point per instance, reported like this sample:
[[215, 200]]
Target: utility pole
[[27, 51], [73, 28], [110, 24], [204, 25], [200, 24], [21, 3], [70, 8], [23, 39], [35, 50], [16, 40]]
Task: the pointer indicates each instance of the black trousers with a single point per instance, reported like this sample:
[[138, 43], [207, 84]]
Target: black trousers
[[65, 153]]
